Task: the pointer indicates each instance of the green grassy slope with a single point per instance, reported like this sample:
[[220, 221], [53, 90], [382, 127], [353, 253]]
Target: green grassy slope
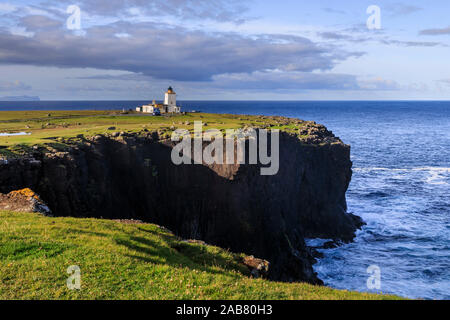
[[128, 261]]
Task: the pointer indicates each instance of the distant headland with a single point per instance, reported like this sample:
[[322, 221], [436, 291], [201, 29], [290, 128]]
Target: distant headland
[[20, 98]]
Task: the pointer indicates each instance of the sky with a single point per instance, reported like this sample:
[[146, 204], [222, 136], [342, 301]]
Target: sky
[[225, 49]]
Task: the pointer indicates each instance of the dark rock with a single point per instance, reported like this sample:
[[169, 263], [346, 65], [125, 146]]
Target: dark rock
[[315, 253], [330, 245]]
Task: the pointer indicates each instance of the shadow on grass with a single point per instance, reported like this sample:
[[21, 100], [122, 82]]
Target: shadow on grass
[[18, 250], [87, 232], [180, 254]]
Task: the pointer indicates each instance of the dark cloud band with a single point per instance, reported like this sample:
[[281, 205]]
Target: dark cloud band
[[163, 51]]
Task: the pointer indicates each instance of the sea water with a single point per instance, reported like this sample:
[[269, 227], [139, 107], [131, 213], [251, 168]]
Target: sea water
[[3, 134]]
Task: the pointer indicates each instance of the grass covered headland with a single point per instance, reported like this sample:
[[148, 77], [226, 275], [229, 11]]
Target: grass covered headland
[[53, 128], [127, 260]]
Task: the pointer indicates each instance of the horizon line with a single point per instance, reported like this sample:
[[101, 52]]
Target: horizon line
[[235, 100]]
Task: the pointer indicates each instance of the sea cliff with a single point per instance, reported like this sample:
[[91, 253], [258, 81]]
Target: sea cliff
[[122, 175]]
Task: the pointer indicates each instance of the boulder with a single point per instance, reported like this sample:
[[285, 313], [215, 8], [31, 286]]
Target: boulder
[[259, 268], [24, 200]]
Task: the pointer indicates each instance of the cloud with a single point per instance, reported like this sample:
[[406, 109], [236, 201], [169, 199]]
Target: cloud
[[165, 52], [13, 86], [148, 52], [282, 81], [435, 32], [331, 10], [295, 81], [7, 8], [378, 84], [84, 88], [334, 36], [411, 43], [217, 10], [258, 81], [444, 81], [338, 36], [286, 81], [400, 9], [33, 23], [121, 77]]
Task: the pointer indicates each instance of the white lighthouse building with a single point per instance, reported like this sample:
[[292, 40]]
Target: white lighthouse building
[[169, 106]]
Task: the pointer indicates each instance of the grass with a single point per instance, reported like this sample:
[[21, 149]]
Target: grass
[[49, 126], [128, 261]]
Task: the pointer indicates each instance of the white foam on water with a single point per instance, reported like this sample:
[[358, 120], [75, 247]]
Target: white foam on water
[[434, 175], [438, 169], [435, 178]]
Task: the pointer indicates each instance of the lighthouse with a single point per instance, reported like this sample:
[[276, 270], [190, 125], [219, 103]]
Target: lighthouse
[[169, 105], [170, 99]]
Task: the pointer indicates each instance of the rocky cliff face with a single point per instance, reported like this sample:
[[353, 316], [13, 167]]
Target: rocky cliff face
[[232, 206]]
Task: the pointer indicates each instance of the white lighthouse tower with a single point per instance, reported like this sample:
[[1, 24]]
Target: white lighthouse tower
[[170, 99]]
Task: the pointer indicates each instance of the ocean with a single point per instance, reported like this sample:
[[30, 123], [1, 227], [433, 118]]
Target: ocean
[[400, 185]]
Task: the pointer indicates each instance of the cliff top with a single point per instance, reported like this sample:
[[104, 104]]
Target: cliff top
[[129, 260], [52, 128]]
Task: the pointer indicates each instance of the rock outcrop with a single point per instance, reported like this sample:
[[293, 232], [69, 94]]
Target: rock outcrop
[[259, 268], [24, 200], [131, 176]]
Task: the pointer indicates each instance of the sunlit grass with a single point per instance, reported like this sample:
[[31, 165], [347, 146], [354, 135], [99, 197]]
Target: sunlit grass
[[45, 126], [128, 261]]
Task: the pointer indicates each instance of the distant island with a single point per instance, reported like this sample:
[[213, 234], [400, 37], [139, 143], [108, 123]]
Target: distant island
[[20, 98]]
